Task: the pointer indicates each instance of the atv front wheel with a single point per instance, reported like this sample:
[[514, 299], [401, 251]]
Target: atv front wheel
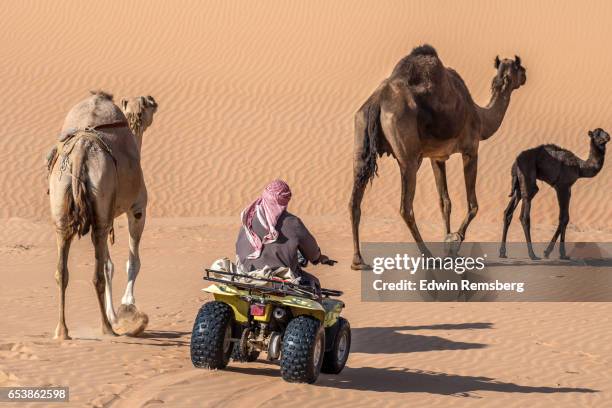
[[335, 359], [211, 344], [302, 351]]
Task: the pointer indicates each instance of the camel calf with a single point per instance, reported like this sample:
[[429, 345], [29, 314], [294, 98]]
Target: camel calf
[[559, 168]]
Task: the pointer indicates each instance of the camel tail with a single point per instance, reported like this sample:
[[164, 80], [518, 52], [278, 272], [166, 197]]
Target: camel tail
[[80, 215], [371, 136], [515, 182]]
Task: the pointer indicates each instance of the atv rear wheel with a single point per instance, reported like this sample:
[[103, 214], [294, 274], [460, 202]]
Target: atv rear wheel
[[243, 352], [211, 344], [335, 359], [302, 351]]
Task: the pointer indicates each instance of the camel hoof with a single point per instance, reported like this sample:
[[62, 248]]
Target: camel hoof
[[452, 243], [534, 258], [130, 321], [565, 258], [108, 331], [62, 337], [360, 267], [61, 333], [503, 255], [453, 237]]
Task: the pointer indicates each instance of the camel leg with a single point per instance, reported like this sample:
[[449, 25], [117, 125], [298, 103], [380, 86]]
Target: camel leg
[[355, 209], [359, 186], [551, 245], [61, 277], [564, 196], [553, 240], [408, 175], [526, 222], [136, 223], [508, 213], [470, 169], [99, 238], [400, 128], [439, 171], [109, 269], [528, 188]]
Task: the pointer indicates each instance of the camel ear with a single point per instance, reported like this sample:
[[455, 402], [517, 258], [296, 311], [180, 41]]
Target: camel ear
[[151, 102], [517, 59], [590, 133], [497, 62], [124, 103]]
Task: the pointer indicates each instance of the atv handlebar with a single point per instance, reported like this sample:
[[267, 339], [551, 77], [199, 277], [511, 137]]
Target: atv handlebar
[[323, 259]]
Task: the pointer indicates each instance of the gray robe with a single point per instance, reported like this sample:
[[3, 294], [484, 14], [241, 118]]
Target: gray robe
[[292, 236]]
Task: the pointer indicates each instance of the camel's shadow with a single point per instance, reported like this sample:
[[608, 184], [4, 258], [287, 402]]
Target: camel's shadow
[[403, 380], [578, 262], [160, 338], [163, 334]]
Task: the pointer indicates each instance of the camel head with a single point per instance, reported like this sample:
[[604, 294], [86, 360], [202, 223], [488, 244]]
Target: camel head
[[510, 74], [139, 112], [600, 137]]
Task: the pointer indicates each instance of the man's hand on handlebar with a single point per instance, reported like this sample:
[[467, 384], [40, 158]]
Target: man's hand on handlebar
[[324, 259]]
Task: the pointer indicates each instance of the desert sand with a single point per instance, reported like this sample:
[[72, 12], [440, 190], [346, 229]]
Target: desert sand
[[250, 91]]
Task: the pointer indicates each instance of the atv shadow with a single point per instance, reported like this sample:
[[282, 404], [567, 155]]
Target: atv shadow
[[403, 380], [385, 340]]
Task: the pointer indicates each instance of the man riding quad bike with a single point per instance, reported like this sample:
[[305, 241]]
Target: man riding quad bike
[[270, 304]]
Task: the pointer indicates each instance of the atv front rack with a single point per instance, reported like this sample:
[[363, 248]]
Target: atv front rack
[[279, 287]]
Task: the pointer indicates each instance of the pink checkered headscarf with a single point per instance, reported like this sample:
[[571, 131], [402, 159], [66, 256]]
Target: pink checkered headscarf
[[267, 208]]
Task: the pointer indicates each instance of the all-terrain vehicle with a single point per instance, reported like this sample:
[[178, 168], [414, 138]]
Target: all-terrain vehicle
[[292, 323]]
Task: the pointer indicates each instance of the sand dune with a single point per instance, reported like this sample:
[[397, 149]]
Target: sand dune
[[250, 91], [236, 83]]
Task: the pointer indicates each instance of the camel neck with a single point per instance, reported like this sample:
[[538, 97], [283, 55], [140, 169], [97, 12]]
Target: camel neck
[[138, 137], [135, 125], [492, 115], [591, 166]]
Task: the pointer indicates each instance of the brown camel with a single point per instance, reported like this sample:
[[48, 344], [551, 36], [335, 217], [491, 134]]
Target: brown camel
[[425, 110], [95, 176], [560, 169]]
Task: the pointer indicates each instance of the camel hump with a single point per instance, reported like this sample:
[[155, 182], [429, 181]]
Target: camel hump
[[98, 109], [424, 49], [102, 94], [421, 69]]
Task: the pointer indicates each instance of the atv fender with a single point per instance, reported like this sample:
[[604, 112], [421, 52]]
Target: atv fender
[[302, 306], [333, 308], [231, 296]]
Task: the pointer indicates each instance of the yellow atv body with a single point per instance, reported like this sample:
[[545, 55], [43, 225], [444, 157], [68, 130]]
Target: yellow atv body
[[293, 324]]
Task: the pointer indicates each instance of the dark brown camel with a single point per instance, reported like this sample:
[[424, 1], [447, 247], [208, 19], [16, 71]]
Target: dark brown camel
[[424, 109], [560, 169]]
